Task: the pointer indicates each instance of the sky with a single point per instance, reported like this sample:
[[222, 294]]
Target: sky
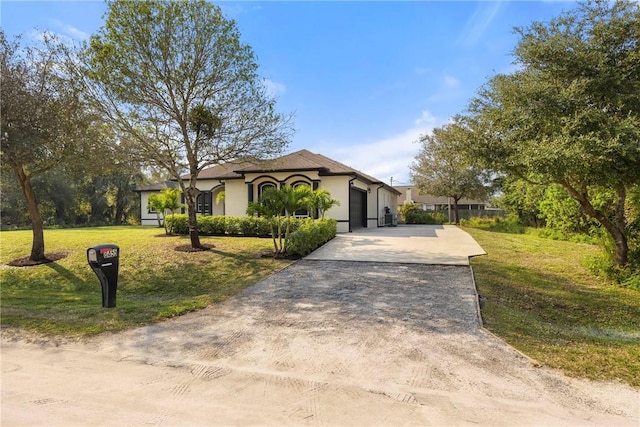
[[363, 79]]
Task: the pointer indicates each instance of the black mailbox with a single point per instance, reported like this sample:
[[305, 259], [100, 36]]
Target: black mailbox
[[103, 260]]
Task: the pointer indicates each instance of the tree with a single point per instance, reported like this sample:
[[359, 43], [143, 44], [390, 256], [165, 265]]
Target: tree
[[175, 77], [570, 114], [279, 205], [167, 200], [43, 119], [520, 197], [319, 201], [442, 168]]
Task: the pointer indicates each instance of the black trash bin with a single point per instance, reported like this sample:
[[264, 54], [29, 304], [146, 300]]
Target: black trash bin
[[104, 260]]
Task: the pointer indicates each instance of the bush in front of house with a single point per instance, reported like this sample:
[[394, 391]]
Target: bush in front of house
[[211, 225], [310, 235], [177, 223], [219, 225]]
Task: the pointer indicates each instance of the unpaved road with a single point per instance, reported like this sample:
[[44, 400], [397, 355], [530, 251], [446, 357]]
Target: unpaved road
[[319, 343]]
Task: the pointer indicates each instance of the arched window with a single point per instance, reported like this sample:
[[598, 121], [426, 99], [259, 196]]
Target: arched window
[[263, 186], [203, 203]]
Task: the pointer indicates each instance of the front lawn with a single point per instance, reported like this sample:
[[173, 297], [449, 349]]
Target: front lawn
[[155, 280], [538, 295]]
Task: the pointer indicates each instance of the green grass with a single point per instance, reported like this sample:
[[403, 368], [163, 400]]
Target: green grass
[[539, 296], [155, 281]]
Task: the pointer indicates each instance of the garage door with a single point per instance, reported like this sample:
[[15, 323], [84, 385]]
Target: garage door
[[357, 209]]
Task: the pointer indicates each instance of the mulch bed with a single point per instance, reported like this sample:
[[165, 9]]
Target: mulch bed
[[50, 257], [189, 248]]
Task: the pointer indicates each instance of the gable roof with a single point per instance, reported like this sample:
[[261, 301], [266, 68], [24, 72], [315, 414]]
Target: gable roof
[[224, 170]]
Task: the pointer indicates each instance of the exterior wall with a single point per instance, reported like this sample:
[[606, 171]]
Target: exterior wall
[[386, 199], [146, 217], [235, 198], [278, 179], [218, 208], [338, 186], [206, 184]]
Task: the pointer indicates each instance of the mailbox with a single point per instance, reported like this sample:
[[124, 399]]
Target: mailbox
[[103, 260]]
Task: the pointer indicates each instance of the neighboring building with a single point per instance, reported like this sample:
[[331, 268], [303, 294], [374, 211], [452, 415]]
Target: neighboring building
[[466, 207], [362, 198]]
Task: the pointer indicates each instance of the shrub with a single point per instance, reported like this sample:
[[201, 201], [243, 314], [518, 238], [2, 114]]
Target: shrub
[[310, 235], [218, 225], [509, 225], [233, 225], [254, 226], [411, 213], [177, 223], [211, 225]]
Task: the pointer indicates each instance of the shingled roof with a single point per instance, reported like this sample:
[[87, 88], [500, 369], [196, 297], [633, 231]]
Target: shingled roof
[[303, 160], [158, 186], [225, 170]]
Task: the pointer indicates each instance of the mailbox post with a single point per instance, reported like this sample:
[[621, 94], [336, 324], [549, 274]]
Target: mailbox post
[[103, 260]]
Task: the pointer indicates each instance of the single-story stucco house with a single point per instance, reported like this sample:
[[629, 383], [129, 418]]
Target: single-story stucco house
[[364, 200]]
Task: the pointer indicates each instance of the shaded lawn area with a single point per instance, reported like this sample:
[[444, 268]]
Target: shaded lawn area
[[538, 295], [155, 281]]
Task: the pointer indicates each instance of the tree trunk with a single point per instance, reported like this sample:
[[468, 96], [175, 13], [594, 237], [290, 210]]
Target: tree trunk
[[191, 197], [121, 195], [37, 246], [456, 213], [616, 230], [164, 222]]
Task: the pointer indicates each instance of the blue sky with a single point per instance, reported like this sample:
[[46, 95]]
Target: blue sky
[[364, 79]]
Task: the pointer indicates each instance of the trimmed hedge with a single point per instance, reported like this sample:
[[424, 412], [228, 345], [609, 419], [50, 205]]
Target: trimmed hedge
[[219, 225], [310, 235]]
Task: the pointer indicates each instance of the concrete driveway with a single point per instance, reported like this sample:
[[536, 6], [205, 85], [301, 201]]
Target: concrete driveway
[[415, 244], [322, 342]]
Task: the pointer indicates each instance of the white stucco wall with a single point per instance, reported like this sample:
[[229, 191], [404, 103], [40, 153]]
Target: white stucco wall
[[235, 202], [338, 186], [147, 218], [237, 199]]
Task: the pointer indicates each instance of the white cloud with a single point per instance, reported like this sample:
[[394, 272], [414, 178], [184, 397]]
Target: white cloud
[[451, 82], [274, 89], [69, 30], [65, 33], [478, 23], [390, 156]]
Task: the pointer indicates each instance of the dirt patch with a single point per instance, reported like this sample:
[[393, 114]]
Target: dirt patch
[[50, 257], [318, 343], [188, 248]]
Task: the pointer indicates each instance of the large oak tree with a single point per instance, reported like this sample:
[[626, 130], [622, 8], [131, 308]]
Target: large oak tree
[[44, 122], [442, 168], [175, 76], [570, 113]]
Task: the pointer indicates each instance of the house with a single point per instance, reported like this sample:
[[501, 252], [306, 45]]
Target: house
[[362, 198], [466, 207]]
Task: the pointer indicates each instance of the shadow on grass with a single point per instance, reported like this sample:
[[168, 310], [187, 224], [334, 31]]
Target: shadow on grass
[[66, 273]]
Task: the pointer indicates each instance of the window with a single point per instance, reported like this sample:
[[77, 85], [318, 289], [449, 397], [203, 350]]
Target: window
[[263, 186], [301, 212], [203, 203]]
